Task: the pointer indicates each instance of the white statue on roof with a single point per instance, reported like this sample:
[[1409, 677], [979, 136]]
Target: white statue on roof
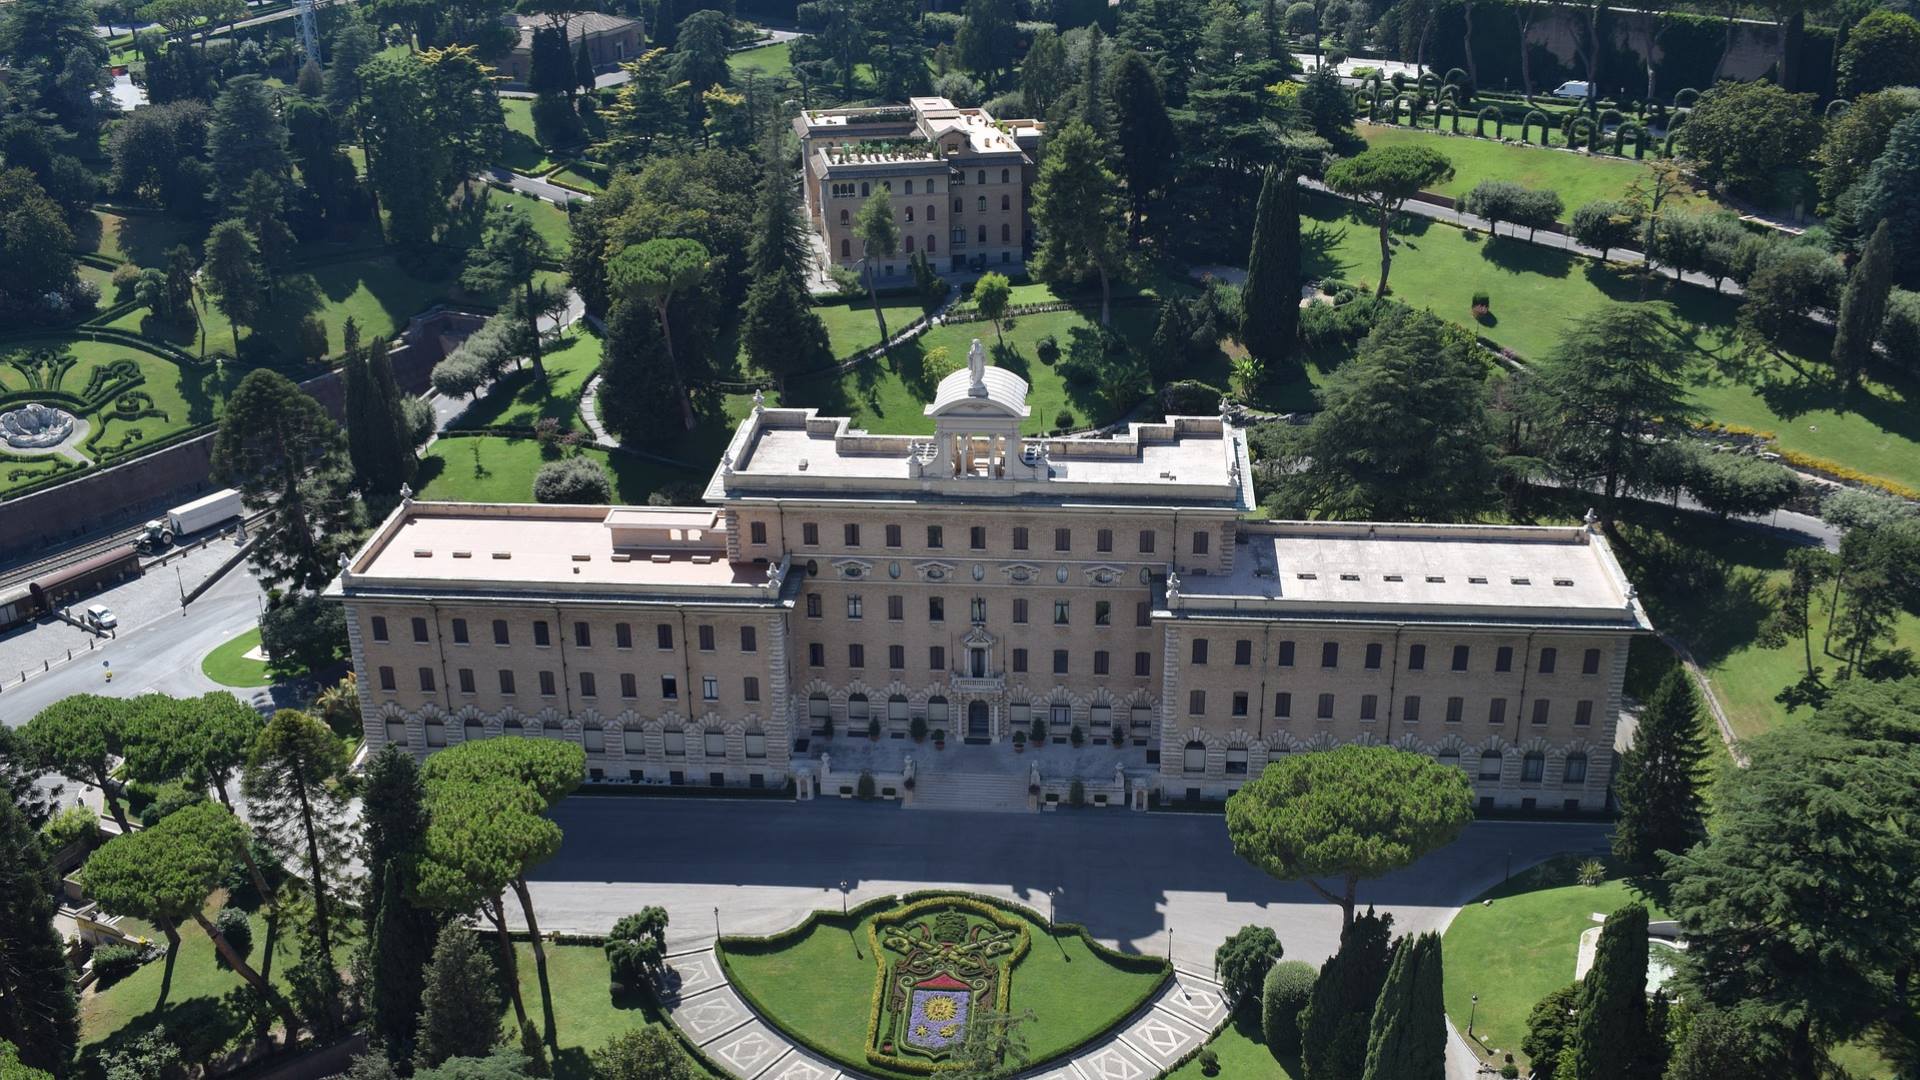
[[977, 370]]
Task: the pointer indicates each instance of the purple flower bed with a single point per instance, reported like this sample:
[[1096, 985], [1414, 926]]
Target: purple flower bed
[[938, 1020]]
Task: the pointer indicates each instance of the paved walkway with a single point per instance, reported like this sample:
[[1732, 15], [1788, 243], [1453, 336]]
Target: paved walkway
[[707, 1009]]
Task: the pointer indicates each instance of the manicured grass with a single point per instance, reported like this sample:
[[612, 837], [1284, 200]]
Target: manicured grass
[[1579, 178], [141, 239], [1536, 291], [588, 1009], [1242, 1055], [1521, 948], [518, 400], [486, 468], [229, 665], [767, 61], [522, 152], [821, 983], [851, 326], [573, 177], [550, 221]]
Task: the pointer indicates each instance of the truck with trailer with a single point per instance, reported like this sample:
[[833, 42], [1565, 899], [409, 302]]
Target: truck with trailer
[[188, 518]]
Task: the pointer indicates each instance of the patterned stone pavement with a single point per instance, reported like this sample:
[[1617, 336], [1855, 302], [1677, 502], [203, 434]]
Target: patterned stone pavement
[[1183, 1016]]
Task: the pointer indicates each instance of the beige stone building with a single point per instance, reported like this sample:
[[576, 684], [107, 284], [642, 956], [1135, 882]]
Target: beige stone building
[[1091, 610], [958, 180], [611, 40]]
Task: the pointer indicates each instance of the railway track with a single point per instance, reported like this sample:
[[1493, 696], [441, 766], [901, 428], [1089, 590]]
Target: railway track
[[26, 572]]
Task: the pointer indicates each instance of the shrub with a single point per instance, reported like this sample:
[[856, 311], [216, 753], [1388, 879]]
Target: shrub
[[1242, 962], [573, 480], [1593, 872], [1047, 348], [1076, 735], [873, 727], [865, 787], [1190, 397], [1209, 1062], [74, 824], [1901, 331], [1019, 738], [1076, 794], [1063, 419], [1038, 734], [939, 734], [234, 925], [917, 727], [111, 963], [304, 632], [1482, 303], [124, 277], [166, 799], [637, 946], [1288, 985]]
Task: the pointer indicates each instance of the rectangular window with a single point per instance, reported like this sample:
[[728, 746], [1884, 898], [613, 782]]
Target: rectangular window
[[548, 686], [1285, 658], [675, 742], [1103, 540], [856, 655], [756, 748], [714, 743], [897, 608], [506, 682], [1019, 538], [499, 631], [1460, 654], [709, 688], [1142, 614], [1102, 613], [1590, 662], [813, 605], [379, 628], [1502, 658], [1373, 656], [937, 658], [1369, 706], [587, 687], [810, 534], [749, 641], [1143, 664], [1199, 543], [663, 636], [629, 686], [1326, 707], [1242, 653], [1541, 710], [1282, 705], [1497, 711], [540, 633], [1019, 661], [706, 638], [459, 631], [419, 630], [1101, 661], [1411, 713], [622, 635], [1583, 713], [855, 606], [426, 680], [757, 532], [1456, 709], [1020, 611], [1549, 658], [1059, 661], [386, 679], [977, 537], [1239, 703], [936, 609], [1146, 541], [1330, 654], [750, 688], [935, 537], [816, 654], [1200, 651], [850, 534], [1196, 703], [594, 740], [1416, 658], [669, 688], [1059, 613], [897, 657], [1236, 761], [466, 680], [893, 536], [1063, 539]]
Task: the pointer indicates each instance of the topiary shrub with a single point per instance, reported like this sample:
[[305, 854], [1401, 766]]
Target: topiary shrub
[[1047, 348], [1209, 1062], [111, 963], [1038, 732], [1076, 736], [864, 788], [873, 727], [917, 727], [1063, 419], [1076, 794], [637, 946], [1242, 962], [237, 929], [1900, 333], [1190, 397], [573, 480], [1288, 985]]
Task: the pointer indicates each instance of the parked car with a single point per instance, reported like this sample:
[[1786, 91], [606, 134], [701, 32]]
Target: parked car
[[1573, 90], [100, 617]]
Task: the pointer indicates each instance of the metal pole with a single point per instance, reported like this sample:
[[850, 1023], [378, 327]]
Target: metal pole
[[843, 899], [716, 924], [1473, 1012]]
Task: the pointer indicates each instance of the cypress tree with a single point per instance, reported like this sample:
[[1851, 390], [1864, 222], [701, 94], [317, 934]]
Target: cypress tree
[[1610, 1036], [382, 459], [399, 934], [462, 1002], [637, 385], [583, 66], [1890, 193], [38, 1014], [1863, 306], [391, 401], [1093, 85], [1145, 149], [1409, 1036], [778, 324], [1658, 786], [1270, 310], [1334, 1025]]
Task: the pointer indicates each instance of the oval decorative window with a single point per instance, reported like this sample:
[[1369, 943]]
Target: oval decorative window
[[979, 572], [893, 570]]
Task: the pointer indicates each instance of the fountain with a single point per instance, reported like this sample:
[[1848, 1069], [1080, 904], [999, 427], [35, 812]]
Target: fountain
[[34, 426]]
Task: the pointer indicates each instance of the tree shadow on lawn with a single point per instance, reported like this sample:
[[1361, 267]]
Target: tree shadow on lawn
[[200, 1026], [1319, 250], [1517, 256], [1696, 587]]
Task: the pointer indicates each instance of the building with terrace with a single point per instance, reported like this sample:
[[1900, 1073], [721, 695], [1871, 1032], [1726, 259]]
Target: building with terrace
[[1100, 611], [958, 180]]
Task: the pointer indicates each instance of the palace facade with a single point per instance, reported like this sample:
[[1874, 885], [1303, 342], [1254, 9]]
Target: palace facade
[[1107, 600]]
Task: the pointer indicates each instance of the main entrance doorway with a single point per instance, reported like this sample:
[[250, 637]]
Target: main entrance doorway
[[977, 722]]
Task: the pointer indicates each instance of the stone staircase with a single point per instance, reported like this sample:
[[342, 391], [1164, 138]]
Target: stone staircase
[[995, 793]]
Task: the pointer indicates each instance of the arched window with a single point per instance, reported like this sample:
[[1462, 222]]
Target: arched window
[[819, 709], [909, 187], [846, 249], [909, 213], [983, 234], [843, 217], [1006, 202], [1006, 233], [865, 190], [1005, 175], [1490, 765], [1141, 717], [511, 727], [756, 743], [936, 710], [933, 243], [932, 211], [634, 741], [909, 242], [715, 743], [473, 729], [983, 202], [897, 709], [1576, 771], [981, 177], [1100, 719], [676, 741], [1196, 757], [1450, 758], [1236, 761], [1533, 767], [857, 709]]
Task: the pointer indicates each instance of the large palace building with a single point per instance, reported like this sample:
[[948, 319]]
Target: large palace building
[[1094, 615]]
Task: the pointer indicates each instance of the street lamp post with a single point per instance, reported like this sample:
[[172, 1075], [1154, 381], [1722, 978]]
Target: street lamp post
[[1472, 1011], [843, 899], [1169, 943], [716, 924]]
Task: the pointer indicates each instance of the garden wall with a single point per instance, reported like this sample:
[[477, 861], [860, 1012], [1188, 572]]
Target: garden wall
[[100, 501]]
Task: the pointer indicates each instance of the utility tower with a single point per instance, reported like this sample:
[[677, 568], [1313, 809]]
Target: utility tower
[[309, 32]]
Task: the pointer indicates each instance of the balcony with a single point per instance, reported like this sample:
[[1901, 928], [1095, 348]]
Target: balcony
[[977, 684]]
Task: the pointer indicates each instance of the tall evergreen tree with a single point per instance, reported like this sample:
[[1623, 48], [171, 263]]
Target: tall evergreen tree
[[1659, 783], [293, 796], [281, 449], [1043, 73], [38, 1014], [1890, 193], [1270, 306], [232, 273], [380, 461], [1863, 306], [461, 1003], [1076, 209], [1610, 1036], [778, 324], [507, 261], [1334, 1026], [637, 387], [400, 933], [245, 135], [1093, 82], [1142, 134], [393, 403], [1409, 1035], [879, 236]]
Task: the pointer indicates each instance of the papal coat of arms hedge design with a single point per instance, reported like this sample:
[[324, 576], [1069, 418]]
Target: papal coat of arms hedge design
[[941, 961]]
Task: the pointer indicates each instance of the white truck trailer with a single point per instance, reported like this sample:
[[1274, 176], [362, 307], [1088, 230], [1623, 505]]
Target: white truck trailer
[[201, 513]]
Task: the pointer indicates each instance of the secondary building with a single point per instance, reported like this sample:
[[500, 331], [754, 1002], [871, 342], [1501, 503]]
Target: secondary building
[[958, 180], [610, 39], [1099, 610]]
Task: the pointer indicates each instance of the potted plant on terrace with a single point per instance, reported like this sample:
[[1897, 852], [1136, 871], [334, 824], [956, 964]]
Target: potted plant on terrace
[[939, 738], [1039, 734], [873, 728], [917, 727], [1076, 735], [1019, 742]]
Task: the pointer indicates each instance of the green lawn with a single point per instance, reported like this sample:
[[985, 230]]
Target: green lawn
[[588, 1009], [549, 220], [1243, 1056], [141, 239], [518, 400], [1535, 291], [769, 61], [1579, 178], [575, 177], [522, 152], [229, 665], [851, 326], [821, 983], [487, 468], [1521, 948]]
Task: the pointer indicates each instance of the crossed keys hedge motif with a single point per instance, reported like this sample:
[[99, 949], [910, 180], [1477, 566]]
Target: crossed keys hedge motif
[[939, 961]]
